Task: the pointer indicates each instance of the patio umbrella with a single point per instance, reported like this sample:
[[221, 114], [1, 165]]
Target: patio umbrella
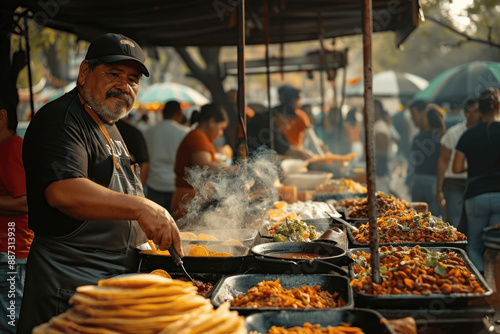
[[462, 82], [391, 84], [167, 91]]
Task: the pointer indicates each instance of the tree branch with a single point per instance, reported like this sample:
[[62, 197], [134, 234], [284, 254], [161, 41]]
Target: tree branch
[[469, 38], [211, 57], [195, 68]]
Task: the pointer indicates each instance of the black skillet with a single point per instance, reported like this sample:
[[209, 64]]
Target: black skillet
[[274, 257]]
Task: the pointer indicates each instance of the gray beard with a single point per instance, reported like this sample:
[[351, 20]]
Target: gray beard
[[102, 110]]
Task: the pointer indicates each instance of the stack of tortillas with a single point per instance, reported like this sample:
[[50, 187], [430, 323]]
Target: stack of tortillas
[[143, 304]]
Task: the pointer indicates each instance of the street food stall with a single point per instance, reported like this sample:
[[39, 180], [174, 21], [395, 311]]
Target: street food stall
[[281, 270]]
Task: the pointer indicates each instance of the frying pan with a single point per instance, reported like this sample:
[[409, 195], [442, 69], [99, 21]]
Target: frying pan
[[223, 265], [268, 256]]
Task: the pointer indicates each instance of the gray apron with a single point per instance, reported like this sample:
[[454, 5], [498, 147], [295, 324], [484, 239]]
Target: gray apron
[[95, 251]]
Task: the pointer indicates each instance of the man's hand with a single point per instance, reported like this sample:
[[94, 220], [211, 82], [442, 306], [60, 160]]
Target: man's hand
[[441, 202], [159, 226], [83, 199]]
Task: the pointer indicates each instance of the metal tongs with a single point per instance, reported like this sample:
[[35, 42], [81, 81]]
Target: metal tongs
[[178, 262], [340, 220]]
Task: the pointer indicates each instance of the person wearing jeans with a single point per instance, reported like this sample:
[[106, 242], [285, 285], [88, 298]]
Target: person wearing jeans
[[482, 211], [451, 187], [423, 159], [478, 152]]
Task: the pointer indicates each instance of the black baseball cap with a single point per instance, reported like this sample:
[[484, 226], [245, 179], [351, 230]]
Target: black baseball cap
[[110, 48]]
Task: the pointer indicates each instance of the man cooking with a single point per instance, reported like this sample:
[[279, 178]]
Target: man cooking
[[85, 199]]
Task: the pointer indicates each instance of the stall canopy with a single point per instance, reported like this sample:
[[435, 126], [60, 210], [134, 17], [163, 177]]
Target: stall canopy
[[213, 22]]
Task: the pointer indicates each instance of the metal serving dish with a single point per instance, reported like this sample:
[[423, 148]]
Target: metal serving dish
[[222, 265], [211, 278], [368, 320], [245, 236], [354, 220], [421, 301], [321, 224], [326, 197], [354, 244], [231, 287]]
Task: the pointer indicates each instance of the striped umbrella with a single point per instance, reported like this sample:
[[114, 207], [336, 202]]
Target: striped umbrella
[[167, 91], [462, 82], [391, 84]]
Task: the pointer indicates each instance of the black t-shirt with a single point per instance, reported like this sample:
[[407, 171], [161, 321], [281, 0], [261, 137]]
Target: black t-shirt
[[424, 155], [63, 142], [258, 134], [135, 142], [481, 146]]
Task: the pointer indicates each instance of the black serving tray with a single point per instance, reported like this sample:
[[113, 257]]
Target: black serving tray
[[232, 286], [211, 278], [221, 265], [420, 301], [354, 244], [368, 320]]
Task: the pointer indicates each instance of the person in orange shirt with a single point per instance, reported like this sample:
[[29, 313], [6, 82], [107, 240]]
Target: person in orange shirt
[[197, 149], [354, 129], [291, 121], [15, 236]]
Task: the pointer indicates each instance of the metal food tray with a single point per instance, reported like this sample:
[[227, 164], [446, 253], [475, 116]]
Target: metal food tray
[[368, 320], [222, 265], [211, 278], [325, 197], [322, 224], [233, 286], [354, 220], [245, 236], [354, 244], [420, 301]]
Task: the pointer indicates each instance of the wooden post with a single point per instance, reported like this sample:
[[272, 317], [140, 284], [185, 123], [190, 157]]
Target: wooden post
[[369, 138], [322, 57], [268, 75], [28, 56], [243, 147]]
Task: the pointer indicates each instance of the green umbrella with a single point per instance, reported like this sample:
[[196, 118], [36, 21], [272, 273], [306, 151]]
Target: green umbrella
[[460, 83], [167, 91]]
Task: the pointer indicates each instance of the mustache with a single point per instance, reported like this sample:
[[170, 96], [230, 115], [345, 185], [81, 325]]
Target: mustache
[[128, 99]]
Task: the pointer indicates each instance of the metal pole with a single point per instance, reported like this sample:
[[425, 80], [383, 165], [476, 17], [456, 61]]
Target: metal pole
[[30, 79], [241, 80], [322, 91], [322, 56], [268, 75], [369, 138]]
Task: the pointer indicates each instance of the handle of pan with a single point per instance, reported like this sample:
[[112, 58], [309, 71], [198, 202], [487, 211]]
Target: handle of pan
[[276, 261], [177, 259]]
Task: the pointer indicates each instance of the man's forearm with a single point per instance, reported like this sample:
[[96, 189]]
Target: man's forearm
[[85, 200], [13, 205]]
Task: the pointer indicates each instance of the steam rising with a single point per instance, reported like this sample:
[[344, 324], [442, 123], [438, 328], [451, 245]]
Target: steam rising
[[232, 201]]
